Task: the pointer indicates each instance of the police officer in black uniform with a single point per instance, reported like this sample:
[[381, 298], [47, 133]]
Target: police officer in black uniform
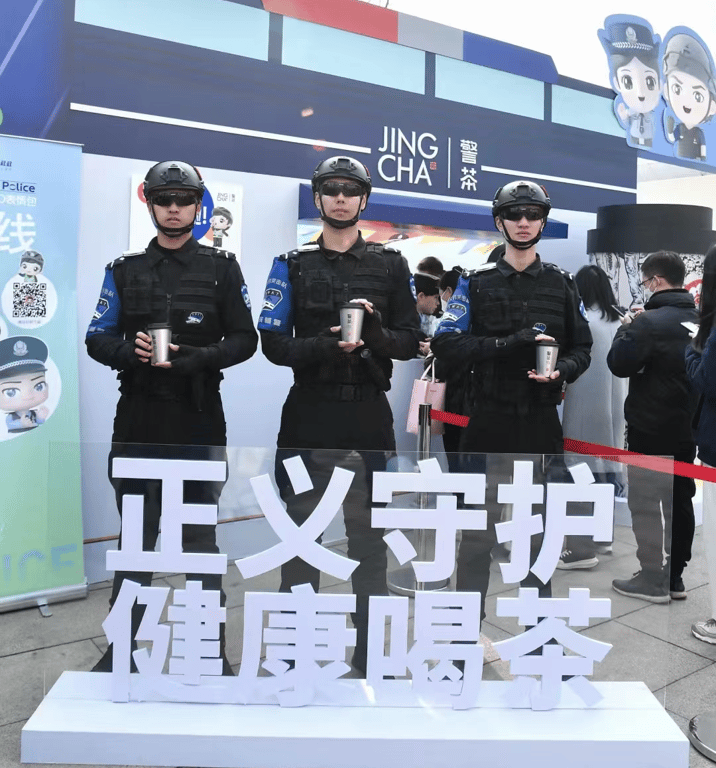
[[494, 319], [174, 406], [337, 405]]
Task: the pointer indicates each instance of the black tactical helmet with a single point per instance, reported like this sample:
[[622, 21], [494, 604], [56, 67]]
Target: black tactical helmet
[[341, 167], [521, 193], [172, 174]]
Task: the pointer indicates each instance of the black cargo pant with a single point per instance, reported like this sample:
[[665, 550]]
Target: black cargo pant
[[493, 439], [357, 435], [662, 511], [168, 429]]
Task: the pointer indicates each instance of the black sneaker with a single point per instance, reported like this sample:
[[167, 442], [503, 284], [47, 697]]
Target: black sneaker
[[642, 587], [677, 590], [570, 561]]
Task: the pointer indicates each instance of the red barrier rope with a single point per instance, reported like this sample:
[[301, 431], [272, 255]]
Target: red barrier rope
[[654, 463]]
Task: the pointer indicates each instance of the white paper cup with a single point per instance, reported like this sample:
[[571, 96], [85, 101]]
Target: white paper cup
[[547, 352], [161, 335], [352, 315]]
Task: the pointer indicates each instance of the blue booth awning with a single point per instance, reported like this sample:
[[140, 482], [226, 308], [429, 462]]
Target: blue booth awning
[[430, 211]]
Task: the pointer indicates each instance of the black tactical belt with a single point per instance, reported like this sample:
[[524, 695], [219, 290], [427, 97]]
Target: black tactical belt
[[342, 392]]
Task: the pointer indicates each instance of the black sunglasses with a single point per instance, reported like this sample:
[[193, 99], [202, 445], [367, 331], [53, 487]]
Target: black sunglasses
[[346, 188], [530, 212], [182, 199]]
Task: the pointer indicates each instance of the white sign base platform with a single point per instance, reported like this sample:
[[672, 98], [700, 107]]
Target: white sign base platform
[[77, 723]]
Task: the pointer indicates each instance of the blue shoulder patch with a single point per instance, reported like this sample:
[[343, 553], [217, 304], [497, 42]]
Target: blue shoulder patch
[[277, 308], [105, 318], [245, 296]]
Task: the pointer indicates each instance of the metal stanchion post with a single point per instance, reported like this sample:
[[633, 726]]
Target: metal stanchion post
[[402, 581], [702, 734]]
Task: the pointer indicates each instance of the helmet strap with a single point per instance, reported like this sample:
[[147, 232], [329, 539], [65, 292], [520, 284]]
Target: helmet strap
[[171, 232], [338, 223], [517, 244]]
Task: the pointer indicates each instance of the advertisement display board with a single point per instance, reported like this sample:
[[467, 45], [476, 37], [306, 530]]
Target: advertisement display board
[[40, 530]]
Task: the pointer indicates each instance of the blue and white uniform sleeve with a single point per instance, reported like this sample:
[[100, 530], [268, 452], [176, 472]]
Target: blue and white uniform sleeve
[[456, 318], [105, 335], [106, 317], [277, 308], [275, 324]]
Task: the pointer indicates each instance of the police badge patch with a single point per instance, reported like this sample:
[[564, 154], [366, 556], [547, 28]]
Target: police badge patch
[[195, 318], [455, 311], [272, 298], [102, 307]]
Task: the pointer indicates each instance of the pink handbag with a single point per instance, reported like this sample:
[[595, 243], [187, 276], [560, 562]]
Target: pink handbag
[[427, 390]]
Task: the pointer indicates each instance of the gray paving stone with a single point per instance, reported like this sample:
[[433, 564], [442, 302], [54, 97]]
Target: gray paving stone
[[693, 694], [680, 615], [26, 677], [640, 657], [28, 629]]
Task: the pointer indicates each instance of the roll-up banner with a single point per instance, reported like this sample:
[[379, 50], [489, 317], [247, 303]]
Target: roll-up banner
[[40, 493]]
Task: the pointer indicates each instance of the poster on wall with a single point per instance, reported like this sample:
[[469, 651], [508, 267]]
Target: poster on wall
[[218, 223], [40, 496]]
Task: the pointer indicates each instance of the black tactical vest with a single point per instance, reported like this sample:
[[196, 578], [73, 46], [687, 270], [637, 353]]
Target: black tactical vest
[[320, 287], [498, 309], [192, 310]]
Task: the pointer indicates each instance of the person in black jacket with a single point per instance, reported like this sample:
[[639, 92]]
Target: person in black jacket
[[337, 404], [492, 324], [659, 411], [173, 406], [701, 370]]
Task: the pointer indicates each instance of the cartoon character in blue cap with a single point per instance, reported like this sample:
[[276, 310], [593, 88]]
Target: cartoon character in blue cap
[[23, 383], [633, 52]]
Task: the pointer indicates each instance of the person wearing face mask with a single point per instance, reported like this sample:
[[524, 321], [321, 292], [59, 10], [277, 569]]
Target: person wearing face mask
[[493, 323], [427, 301], [649, 349]]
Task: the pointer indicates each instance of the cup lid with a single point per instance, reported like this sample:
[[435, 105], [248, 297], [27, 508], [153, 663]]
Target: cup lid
[[353, 305]]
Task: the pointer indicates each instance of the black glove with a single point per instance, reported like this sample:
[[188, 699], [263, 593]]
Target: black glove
[[514, 341], [190, 360], [372, 333], [127, 358], [326, 344]]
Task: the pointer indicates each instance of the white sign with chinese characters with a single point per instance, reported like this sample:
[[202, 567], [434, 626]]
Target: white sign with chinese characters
[[304, 636]]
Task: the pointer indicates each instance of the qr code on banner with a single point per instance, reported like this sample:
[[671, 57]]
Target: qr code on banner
[[29, 300]]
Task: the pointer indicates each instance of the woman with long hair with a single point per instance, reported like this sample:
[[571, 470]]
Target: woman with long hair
[[701, 369], [594, 404]]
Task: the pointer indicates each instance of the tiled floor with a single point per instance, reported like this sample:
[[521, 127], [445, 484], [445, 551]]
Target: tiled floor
[[652, 643]]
